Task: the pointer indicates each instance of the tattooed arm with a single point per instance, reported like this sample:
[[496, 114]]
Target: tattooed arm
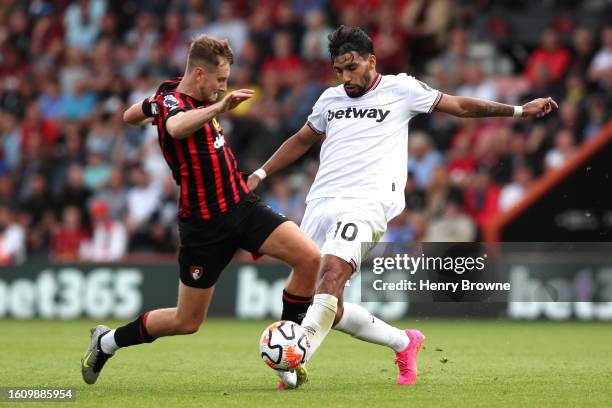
[[464, 107]]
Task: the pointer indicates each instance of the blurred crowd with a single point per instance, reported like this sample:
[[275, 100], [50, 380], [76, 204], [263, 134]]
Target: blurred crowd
[[77, 184]]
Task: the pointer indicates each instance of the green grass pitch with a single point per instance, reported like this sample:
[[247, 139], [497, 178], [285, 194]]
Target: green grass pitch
[[465, 363]]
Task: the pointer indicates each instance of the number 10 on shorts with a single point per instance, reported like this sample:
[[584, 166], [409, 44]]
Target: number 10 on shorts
[[348, 231]]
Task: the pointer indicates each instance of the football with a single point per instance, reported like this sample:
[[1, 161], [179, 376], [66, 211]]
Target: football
[[284, 345]]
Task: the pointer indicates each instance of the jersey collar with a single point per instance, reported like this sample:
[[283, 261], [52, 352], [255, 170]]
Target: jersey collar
[[374, 83]]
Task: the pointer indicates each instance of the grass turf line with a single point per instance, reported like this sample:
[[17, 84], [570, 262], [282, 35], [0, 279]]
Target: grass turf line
[[488, 363]]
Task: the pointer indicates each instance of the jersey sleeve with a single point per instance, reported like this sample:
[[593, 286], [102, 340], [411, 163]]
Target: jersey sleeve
[[421, 97], [169, 104], [316, 120], [149, 107]]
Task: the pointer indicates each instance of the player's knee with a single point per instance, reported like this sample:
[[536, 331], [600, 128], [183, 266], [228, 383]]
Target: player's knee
[[311, 261], [307, 266], [188, 326]]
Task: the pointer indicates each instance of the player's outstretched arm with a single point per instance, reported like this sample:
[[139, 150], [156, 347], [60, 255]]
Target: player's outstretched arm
[[464, 107], [135, 115], [183, 124], [291, 150]]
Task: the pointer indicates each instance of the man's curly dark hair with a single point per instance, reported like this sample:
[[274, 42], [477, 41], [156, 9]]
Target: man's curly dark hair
[[347, 39]]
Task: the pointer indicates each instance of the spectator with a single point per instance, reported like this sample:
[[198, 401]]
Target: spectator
[[35, 124], [171, 34], [75, 193], [37, 201], [97, 171], [283, 60], [69, 236], [551, 56], [141, 199], [50, 101], [114, 194], [414, 196], [143, 37], [10, 140], [82, 22], [418, 227], [282, 199], [439, 192], [422, 158], [454, 226], [399, 230], [426, 23], [563, 150], [598, 115], [314, 44], [230, 27], [460, 161], [600, 68], [583, 50], [298, 101], [95, 56], [448, 64], [75, 70], [78, 103], [71, 153], [511, 194], [109, 239], [8, 198], [163, 232], [481, 197], [475, 85], [389, 39], [12, 239]]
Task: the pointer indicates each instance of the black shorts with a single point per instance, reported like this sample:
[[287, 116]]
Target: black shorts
[[207, 246]]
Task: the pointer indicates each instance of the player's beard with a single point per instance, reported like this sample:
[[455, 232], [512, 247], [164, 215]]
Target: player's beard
[[357, 89]]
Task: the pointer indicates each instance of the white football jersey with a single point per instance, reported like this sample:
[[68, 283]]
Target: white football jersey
[[365, 151]]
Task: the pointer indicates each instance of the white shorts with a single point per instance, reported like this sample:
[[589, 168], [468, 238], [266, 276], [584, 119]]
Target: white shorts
[[339, 226]]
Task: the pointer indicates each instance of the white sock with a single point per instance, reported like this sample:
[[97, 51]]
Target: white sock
[[319, 319], [107, 343], [359, 323]]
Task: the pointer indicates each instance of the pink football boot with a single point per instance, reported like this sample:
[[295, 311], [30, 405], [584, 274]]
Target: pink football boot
[[406, 359]]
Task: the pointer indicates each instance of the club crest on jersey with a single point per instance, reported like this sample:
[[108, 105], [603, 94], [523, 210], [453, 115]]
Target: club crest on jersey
[[196, 272], [358, 113], [171, 102]]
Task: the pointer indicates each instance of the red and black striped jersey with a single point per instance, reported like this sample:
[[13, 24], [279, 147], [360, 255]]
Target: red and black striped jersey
[[202, 164]]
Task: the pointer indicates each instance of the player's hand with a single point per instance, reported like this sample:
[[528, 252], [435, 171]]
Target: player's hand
[[253, 181], [234, 98], [539, 107]]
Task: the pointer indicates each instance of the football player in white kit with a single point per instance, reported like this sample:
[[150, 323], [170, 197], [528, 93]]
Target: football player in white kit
[[360, 183]]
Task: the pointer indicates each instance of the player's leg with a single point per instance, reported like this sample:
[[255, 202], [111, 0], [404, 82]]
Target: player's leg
[[201, 263], [267, 232], [270, 233], [186, 318], [356, 320], [345, 241], [320, 317], [291, 246], [359, 323]]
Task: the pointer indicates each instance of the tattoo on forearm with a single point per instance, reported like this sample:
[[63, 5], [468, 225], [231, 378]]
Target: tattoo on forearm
[[489, 109]]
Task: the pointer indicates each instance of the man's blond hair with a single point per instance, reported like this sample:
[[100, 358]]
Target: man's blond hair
[[208, 51]]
